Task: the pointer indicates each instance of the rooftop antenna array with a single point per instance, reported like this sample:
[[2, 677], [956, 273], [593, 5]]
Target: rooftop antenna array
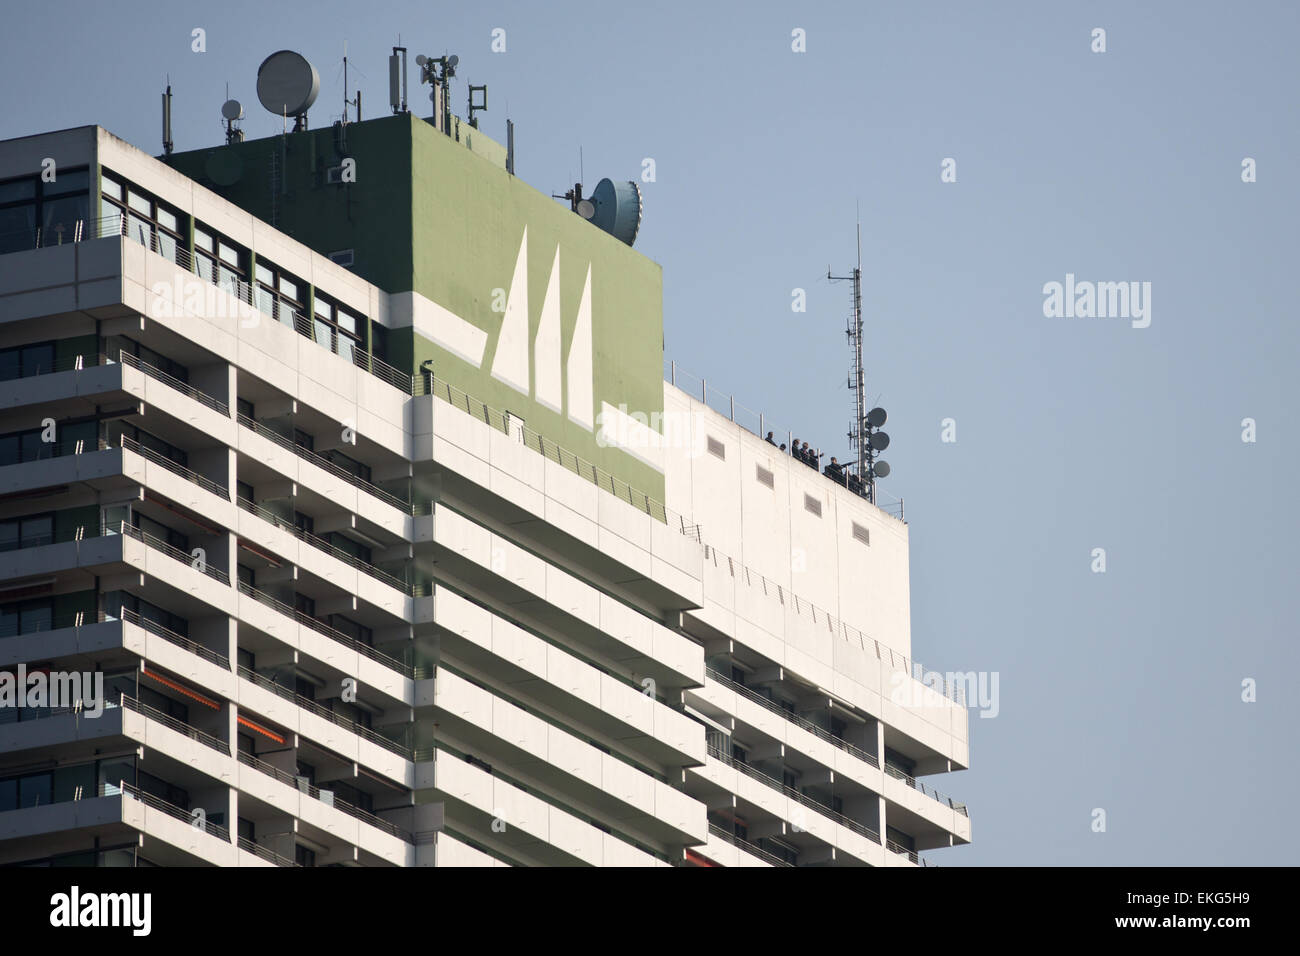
[[437, 71], [864, 436], [287, 85]]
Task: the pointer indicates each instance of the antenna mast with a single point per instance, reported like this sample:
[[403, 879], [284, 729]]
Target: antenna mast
[[856, 373]]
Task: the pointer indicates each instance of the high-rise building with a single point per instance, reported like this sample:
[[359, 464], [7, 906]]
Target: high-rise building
[[346, 517]]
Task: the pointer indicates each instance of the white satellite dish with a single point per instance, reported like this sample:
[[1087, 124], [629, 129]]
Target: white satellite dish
[[232, 110], [586, 208]]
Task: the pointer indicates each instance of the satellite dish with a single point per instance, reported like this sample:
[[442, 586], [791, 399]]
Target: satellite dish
[[453, 61], [880, 469], [586, 209], [421, 59], [617, 209], [287, 85], [879, 441], [876, 417], [232, 110]]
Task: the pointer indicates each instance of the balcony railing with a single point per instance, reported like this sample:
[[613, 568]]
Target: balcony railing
[[172, 552], [269, 855], [322, 462], [306, 703], [202, 736], [320, 627], [301, 785], [322, 545], [171, 381], [149, 800], [903, 851], [72, 363], [750, 848], [794, 718], [176, 468], [756, 774], [153, 627], [929, 791]]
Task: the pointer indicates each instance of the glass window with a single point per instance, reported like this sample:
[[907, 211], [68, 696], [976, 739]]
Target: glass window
[[289, 289], [322, 308], [347, 322], [139, 203], [18, 190], [203, 241], [167, 220], [75, 181], [228, 254], [17, 228], [265, 275], [35, 791], [111, 188]]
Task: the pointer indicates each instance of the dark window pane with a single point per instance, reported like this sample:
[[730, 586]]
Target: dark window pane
[[78, 181], [17, 190], [35, 791]]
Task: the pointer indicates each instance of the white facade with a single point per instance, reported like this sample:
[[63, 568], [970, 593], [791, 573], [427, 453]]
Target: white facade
[[430, 645]]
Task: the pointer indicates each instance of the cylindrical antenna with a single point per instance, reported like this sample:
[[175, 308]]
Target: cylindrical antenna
[[167, 121]]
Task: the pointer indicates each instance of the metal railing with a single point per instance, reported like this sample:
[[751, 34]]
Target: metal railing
[[751, 848], [808, 725], [320, 461], [172, 552], [322, 545], [903, 851], [320, 627], [758, 424], [743, 573], [429, 384], [153, 627], [302, 786], [176, 468], [38, 237], [149, 800], [172, 381], [812, 802], [315, 707], [270, 856], [929, 791], [202, 736]]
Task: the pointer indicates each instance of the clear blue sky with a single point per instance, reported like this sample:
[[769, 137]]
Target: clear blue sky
[[1119, 690]]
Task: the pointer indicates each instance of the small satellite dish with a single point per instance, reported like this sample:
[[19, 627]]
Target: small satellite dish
[[453, 61], [287, 85], [879, 441], [586, 208], [880, 469], [421, 59], [876, 417], [232, 110]]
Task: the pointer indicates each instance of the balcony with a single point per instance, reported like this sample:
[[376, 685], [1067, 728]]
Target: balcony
[[752, 849], [199, 736], [930, 792], [321, 544], [859, 828], [771, 705], [320, 627]]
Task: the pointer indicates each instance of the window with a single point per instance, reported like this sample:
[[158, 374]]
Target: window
[[278, 294], [35, 213], [29, 532], [350, 465], [148, 221], [221, 262], [244, 407], [152, 613], [358, 632], [812, 505], [160, 531], [337, 328], [26, 617], [303, 439], [303, 856], [345, 544], [156, 359], [154, 443], [25, 361], [30, 445], [246, 658]]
